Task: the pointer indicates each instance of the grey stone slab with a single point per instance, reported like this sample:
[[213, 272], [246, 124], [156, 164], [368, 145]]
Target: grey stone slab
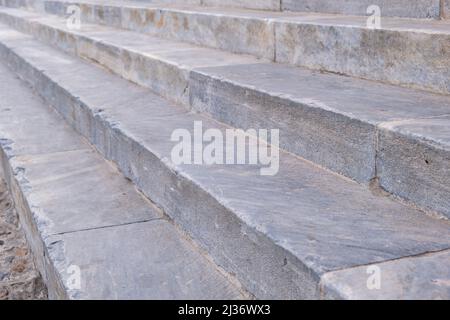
[[78, 191], [250, 36], [389, 8], [22, 125], [158, 64], [328, 119], [253, 36], [366, 53], [149, 260], [164, 68], [423, 146], [335, 43], [278, 234], [392, 8], [425, 277], [63, 166], [337, 131], [426, 26], [78, 211]]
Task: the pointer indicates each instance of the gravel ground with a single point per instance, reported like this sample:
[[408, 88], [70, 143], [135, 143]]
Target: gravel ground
[[19, 279]]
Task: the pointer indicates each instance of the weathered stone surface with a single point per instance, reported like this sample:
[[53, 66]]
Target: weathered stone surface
[[344, 45], [19, 279], [446, 11], [164, 67], [318, 122], [78, 210], [425, 177], [250, 36], [325, 118], [249, 4], [30, 130], [85, 185], [303, 224], [159, 64], [335, 43], [389, 8], [149, 260], [426, 277], [207, 27]]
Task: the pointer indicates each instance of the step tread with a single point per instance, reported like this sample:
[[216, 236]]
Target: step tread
[[89, 215], [304, 209]]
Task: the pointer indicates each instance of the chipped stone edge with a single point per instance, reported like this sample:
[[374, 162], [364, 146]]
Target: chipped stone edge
[[47, 255]]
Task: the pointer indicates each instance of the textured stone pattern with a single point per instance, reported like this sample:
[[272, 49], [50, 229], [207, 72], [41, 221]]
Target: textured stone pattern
[[425, 277], [19, 278], [425, 177], [371, 55], [282, 257], [446, 11], [337, 131], [337, 43], [302, 238], [249, 4], [391, 8], [168, 74], [77, 212], [193, 27]]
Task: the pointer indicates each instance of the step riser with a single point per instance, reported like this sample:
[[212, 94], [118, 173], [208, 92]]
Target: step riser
[[361, 52], [356, 51], [337, 142], [340, 143], [250, 36], [414, 169], [279, 274], [46, 268]]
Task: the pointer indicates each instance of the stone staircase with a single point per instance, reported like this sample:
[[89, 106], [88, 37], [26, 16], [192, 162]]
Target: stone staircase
[[364, 162]]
